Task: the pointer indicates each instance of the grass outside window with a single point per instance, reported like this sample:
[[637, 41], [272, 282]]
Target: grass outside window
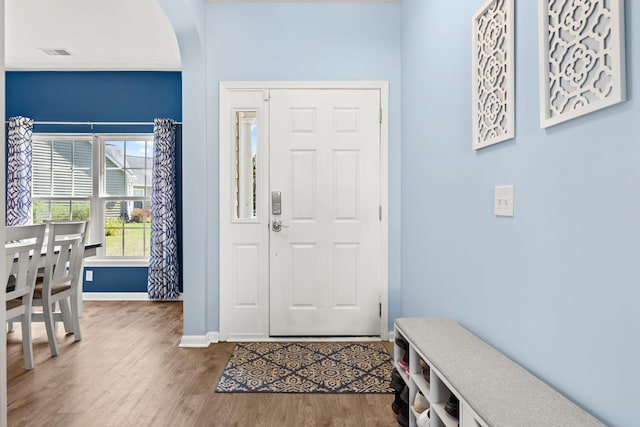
[[127, 241]]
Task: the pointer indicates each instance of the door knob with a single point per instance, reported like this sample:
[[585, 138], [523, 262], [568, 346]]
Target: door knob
[[277, 225]]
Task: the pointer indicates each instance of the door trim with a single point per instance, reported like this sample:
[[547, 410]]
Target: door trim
[[226, 90]]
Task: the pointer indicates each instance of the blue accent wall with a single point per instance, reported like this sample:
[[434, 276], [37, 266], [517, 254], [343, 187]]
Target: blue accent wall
[[116, 279], [102, 96], [556, 287]]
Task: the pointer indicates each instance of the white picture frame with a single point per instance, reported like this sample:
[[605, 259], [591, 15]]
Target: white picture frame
[[493, 73], [578, 75]]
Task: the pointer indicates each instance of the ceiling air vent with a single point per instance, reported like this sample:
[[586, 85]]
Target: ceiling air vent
[[56, 52]]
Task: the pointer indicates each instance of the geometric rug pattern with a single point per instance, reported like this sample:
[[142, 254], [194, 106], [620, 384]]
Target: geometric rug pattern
[[307, 368]]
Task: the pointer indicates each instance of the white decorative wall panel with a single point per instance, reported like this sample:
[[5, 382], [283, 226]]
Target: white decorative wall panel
[[581, 57], [493, 73]]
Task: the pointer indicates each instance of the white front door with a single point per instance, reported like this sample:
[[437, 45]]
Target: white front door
[[325, 272]]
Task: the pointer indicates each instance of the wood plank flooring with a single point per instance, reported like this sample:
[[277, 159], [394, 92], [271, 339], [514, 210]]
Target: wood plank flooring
[[129, 371]]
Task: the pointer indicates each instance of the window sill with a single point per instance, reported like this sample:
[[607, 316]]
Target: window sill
[[123, 262]]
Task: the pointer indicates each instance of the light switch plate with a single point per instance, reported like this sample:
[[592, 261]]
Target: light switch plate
[[503, 201]]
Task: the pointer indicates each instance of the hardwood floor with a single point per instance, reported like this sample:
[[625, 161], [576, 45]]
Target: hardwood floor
[[129, 371]]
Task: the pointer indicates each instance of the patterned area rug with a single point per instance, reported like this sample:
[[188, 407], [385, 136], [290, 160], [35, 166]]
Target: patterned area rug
[[307, 368]]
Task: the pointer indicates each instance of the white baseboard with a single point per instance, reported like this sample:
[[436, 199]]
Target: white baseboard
[[199, 341], [190, 341], [213, 337], [118, 296], [262, 338]]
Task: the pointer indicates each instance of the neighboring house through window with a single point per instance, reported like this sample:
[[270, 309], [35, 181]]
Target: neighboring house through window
[[115, 195]]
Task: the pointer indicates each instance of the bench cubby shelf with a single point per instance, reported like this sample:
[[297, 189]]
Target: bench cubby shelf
[[492, 390]]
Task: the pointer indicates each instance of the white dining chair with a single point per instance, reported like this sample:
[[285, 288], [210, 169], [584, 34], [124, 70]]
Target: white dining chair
[[60, 284], [23, 246]]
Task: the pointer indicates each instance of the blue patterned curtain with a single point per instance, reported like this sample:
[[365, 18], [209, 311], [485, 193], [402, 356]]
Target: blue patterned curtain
[[163, 264], [19, 158]]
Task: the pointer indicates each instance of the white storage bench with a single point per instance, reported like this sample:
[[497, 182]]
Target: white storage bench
[[493, 390]]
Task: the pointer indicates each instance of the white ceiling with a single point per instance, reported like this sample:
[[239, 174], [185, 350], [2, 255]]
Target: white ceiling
[[100, 34]]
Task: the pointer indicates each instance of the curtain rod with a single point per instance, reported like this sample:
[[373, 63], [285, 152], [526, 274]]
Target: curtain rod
[[97, 123]]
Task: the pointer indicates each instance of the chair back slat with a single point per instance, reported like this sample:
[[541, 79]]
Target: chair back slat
[[23, 248], [65, 249]]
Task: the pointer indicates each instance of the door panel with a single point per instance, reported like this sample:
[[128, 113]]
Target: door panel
[[246, 275], [346, 185], [303, 273], [346, 260], [303, 189], [324, 261]]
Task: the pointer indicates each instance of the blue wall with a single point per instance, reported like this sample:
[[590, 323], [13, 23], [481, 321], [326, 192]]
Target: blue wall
[[307, 42], [116, 279], [188, 20], [106, 96], [556, 287], [101, 97]]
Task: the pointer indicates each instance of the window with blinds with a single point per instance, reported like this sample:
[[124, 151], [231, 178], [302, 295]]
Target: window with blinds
[[62, 178], [104, 179]]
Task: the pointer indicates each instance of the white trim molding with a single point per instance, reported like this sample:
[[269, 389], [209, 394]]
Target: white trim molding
[[199, 341], [582, 58], [493, 74], [120, 262]]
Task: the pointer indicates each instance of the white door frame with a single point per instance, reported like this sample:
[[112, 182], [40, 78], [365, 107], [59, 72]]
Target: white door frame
[[227, 89]]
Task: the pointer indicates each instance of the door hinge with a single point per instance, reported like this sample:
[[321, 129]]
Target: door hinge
[[380, 115], [380, 309], [380, 212]]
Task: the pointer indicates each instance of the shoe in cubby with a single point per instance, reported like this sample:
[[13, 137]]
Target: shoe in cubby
[[403, 355], [420, 403], [424, 419], [453, 406], [426, 370], [403, 408]]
